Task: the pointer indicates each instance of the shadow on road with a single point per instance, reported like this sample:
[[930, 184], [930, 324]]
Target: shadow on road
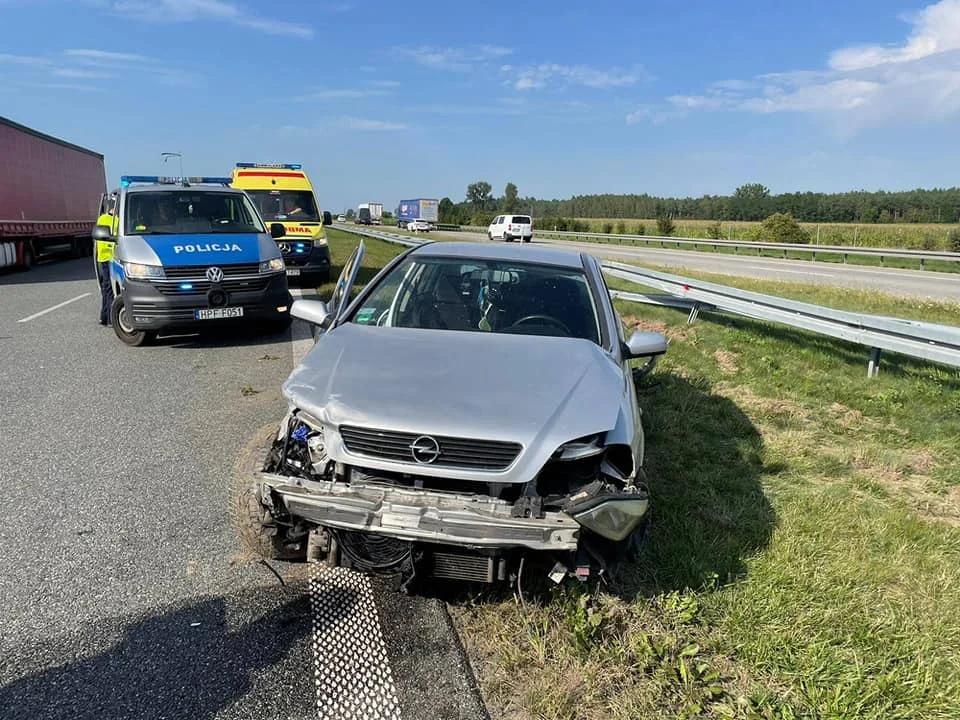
[[185, 663], [55, 270]]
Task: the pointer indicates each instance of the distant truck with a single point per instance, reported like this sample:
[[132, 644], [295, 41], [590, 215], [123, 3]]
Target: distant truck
[[372, 212], [50, 194], [418, 209]]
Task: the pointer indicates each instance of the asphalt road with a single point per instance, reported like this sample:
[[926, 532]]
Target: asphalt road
[[125, 592], [914, 283]]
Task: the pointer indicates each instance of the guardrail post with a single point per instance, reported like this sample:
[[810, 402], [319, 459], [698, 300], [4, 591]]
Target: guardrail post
[[881, 261], [694, 313], [922, 264], [873, 366], [844, 258], [814, 256]]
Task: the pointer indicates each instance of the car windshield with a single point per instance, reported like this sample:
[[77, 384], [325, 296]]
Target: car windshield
[[285, 205], [179, 212], [483, 296]]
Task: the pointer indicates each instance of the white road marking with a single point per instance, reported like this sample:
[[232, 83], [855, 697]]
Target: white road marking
[[51, 309], [351, 667]]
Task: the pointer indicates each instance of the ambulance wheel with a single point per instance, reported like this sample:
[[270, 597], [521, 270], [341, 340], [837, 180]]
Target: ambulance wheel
[[123, 329], [251, 520]]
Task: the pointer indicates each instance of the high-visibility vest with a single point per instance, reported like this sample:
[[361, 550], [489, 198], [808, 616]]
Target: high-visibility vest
[[105, 248]]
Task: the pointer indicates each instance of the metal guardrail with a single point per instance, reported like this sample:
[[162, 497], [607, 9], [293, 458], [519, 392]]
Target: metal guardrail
[[923, 256], [929, 341], [939, 343]]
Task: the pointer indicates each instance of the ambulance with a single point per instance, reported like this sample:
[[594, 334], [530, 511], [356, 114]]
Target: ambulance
[[284, 196]]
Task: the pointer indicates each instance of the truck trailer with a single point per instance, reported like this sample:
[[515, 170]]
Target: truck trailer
[[418, 209], [50, 195]]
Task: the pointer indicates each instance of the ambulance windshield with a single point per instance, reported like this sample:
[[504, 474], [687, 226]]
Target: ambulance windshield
[[285, 205]]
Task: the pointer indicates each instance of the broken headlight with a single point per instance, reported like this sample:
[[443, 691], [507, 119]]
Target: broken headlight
[[580, 448], [612, 514]]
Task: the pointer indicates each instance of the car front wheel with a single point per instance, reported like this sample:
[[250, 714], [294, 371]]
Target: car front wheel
[[122, 327]]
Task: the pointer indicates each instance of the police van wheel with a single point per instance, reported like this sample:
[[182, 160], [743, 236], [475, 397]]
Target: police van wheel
[[251, 520], [123, 329]]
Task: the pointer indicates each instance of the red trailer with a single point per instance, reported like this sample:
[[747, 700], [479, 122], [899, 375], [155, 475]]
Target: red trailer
[[50, 195]]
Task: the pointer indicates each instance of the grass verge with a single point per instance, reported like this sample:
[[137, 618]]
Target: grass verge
[[803, 558]]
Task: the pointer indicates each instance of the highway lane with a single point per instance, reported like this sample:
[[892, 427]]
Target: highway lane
[[913, 283], [126, 593]]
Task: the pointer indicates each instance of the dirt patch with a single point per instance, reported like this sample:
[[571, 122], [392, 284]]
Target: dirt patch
[[727, 362], [923, 461], [749, 400], [684, 332]]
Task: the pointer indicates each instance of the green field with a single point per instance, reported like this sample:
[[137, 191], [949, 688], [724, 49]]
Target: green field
[[918, 236], [803, 558]]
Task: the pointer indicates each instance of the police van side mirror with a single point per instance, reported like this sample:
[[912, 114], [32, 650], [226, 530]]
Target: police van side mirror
[[277, 230], [102, 232], [327, 218]]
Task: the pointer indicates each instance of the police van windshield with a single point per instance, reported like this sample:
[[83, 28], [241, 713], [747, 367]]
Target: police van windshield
[[285, 205], [180, 212]]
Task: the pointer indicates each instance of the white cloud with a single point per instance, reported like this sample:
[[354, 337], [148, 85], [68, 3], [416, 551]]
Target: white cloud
[[915, 81], [79, 73], [539, 76], [215, 10], [385, 83], [355, 123], [453, 59], [23, 59], [344, 94], [103, 56]]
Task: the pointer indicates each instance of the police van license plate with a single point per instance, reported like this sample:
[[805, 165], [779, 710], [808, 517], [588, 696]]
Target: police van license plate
[[293, 271], [214, 313]]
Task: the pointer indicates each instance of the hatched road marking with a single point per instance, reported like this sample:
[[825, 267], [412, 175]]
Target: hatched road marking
[[351, 666], [55, 307]]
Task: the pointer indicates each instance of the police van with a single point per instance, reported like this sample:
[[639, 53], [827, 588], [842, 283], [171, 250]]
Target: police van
[[191, 252], [285, 197]]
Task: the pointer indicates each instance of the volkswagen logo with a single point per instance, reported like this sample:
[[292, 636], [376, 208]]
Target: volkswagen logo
[[284, 247], [425, 449], [214, 274]]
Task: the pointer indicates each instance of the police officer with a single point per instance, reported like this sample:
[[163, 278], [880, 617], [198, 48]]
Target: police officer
[[104, 252]]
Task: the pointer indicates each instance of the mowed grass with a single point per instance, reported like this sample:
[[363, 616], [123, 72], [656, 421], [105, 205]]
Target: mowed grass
[[376, 254], [803, 558], [929, 236]]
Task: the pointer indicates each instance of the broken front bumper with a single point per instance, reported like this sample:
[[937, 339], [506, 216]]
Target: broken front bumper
[[417, 515]]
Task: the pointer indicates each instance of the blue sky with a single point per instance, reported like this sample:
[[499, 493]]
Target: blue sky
[[387, 100]]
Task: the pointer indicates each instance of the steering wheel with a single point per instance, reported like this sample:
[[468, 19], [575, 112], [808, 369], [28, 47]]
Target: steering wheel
[[542, 319]]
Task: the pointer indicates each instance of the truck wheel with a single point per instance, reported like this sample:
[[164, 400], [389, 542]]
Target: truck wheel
[[250, 519], [123, 329], [29, 259]]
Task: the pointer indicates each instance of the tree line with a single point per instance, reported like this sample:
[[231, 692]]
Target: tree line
[[750, 202]]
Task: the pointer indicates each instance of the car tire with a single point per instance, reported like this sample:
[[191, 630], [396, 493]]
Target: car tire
[[122, 328], [528, 238], [247, 514], [489, 237]]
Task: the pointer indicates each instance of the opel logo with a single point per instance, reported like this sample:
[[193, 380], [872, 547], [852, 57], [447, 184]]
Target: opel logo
[[284, 247], [214, 274], [425, 449]]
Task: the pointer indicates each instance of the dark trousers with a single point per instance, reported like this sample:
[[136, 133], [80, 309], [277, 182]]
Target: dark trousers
[[106, 293]]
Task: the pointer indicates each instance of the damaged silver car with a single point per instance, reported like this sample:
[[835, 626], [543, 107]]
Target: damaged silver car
[[473, 405]]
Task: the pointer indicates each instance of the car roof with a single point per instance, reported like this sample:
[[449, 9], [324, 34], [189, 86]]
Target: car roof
[[162, 187], [501, 251]]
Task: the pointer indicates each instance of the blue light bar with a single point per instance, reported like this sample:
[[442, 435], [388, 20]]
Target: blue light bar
[[186, 286], [125, 180], [282, 166], [206, 179]]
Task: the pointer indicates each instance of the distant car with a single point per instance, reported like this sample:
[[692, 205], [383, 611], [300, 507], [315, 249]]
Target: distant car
[[511, 227], [341, 218], [473, 405], [419, 226]]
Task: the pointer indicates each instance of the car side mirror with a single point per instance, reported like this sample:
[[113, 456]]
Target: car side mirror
[[646, 344], [327, 218], [102, 232], [277, 231], [311, 311]]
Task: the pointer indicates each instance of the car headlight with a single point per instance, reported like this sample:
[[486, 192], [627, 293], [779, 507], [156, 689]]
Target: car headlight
[[319, 241], [608, 512], [272, 265], [580, 448], [142, 271]]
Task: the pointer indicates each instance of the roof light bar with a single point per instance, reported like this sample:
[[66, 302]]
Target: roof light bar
[[127, 180], [281, 166]]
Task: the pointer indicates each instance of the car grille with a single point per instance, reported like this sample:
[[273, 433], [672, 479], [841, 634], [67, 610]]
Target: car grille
[[198, 272], [454, 452], [203, 286]]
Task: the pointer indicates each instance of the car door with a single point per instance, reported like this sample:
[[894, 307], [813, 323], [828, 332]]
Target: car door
[[340, 299]]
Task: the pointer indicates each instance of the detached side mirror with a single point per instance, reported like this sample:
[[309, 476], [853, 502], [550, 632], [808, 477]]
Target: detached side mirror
[[327, 218], [646, 344], [277, 231], [102, 232], [311, 311]]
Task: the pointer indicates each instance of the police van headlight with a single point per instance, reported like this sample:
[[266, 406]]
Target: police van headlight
[[142, 271], [272, 265]]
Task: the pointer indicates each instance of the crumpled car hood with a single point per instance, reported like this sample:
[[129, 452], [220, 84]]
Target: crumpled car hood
[[538, 391]]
